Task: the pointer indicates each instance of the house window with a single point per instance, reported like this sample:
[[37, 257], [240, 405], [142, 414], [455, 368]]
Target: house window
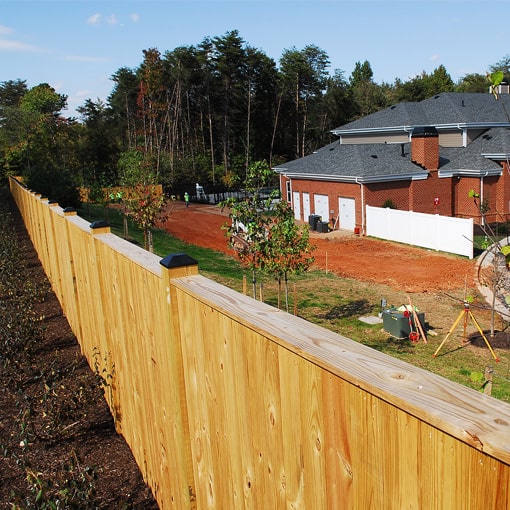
[[289, 194]]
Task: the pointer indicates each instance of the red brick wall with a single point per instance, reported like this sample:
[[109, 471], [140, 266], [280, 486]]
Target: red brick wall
[[432, 195], [417, 196], [465, 206], [503, 196], [333, 190], [397, 192], [496, 196]]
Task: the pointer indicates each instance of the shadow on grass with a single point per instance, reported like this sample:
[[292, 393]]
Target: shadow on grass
[[392, 346], [350, 309]]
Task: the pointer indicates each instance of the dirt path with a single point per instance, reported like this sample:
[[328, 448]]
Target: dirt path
[[413, 270]]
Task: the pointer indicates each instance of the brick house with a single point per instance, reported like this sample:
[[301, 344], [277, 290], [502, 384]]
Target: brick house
[[424, 157]]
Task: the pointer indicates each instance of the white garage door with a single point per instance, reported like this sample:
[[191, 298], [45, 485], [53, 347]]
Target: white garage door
[[296, 205], [321, 206], [347, 212], [306, 206]]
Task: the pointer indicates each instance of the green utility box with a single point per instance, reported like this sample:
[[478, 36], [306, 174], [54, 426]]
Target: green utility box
[[396, 322]]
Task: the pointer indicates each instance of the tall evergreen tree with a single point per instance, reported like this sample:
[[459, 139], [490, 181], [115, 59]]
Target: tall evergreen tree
[[368, 97], [304, 78]]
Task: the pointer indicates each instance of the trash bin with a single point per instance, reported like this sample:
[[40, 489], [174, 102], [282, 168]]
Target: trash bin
[[323, 227], [313, 219], [396, 322]]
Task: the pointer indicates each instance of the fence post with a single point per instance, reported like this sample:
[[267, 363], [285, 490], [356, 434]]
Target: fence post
[[100, 227], [174, 266]]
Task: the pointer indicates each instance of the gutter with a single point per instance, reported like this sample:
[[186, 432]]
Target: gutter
[[481, 196], [362, 205], [407, 128], [500, 156], [357, 180], [465, 172]]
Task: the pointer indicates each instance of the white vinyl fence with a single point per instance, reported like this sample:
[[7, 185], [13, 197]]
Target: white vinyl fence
[[441, 233]]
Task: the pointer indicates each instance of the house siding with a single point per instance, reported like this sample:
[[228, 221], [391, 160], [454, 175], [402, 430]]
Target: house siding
[[451, 138], [378, 138]]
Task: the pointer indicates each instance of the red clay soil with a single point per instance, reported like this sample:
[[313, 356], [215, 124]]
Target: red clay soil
[[410, 269]]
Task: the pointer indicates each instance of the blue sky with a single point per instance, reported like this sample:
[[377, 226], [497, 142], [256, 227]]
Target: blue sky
[[77, 45]]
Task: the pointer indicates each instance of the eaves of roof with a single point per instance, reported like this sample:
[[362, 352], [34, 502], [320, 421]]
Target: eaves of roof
[[355, 179], [469, 172], [409, 128]]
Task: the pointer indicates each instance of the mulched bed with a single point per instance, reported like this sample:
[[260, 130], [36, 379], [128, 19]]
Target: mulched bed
[[58, 442], [500, 340]]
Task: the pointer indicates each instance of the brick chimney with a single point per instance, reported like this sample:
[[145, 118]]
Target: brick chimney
[[425, 147]]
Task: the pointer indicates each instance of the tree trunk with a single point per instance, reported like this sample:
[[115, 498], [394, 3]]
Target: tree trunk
[[286, 294], [248, 121], [275, 127]]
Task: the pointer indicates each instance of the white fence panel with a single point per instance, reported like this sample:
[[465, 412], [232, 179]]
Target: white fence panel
[[441, 233]]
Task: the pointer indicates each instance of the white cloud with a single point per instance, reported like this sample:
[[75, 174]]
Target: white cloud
[[435, 57], [18, 46], [135, 17], [94, 19], [13, 45], [5, 30]]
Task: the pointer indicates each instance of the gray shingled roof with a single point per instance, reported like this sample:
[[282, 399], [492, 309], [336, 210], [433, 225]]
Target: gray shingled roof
[[384, 162], [446, 109], [474, 158], [365, 162]]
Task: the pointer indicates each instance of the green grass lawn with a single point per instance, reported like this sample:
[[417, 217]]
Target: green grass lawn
[[337, 303]]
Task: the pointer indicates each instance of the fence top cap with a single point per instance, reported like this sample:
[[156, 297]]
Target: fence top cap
[[178, 260], [98, 224]]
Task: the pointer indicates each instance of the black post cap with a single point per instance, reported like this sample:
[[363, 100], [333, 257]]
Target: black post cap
[[177, 260], [98, 224]]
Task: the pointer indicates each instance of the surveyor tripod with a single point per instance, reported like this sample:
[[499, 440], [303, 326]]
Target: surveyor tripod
[[466, 313]]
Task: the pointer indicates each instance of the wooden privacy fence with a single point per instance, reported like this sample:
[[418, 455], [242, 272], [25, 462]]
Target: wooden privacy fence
[[228, 403]]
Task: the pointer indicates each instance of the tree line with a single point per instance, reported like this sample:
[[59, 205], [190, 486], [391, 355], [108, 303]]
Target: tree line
[[200, 113]]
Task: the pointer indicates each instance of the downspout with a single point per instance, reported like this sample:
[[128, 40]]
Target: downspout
[[464, 135], [362, 206], [481, 198]]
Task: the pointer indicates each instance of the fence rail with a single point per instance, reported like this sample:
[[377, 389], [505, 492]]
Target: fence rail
[[229, 403]]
